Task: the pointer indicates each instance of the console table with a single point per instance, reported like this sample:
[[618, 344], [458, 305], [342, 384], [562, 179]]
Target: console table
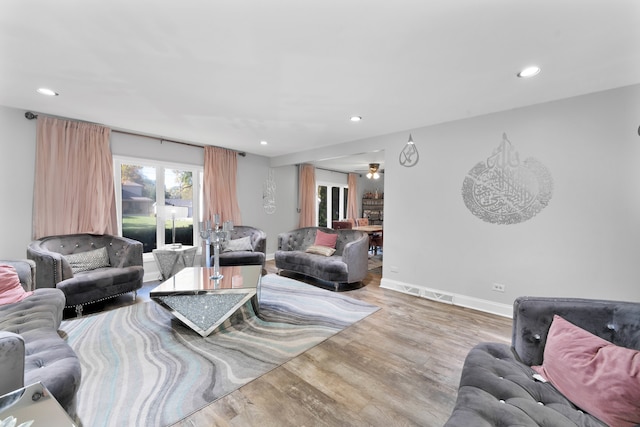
[[170, 260]]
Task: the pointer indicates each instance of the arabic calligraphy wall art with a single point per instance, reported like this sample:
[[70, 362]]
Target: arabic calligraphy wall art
[[409, 155], [503, 190]]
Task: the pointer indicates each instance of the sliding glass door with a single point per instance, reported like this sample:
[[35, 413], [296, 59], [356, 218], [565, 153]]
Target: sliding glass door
[[154, 199], [332, 203]]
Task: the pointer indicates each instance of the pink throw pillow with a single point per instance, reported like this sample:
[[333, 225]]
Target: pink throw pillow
[[326, 239], [599, 377], [10, 288]]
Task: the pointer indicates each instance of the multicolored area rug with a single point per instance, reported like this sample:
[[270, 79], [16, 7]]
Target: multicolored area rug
[[142, 367]]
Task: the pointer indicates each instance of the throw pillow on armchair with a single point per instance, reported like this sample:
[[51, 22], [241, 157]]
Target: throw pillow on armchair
[[11, 290]]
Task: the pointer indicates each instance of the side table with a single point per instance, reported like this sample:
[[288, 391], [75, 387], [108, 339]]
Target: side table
[[33, 403], [171, 260]]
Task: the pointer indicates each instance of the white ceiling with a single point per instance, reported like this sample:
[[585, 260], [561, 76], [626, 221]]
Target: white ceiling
[[234, 72]]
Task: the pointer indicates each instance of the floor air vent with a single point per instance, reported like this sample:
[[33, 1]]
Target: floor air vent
[[437, 296]]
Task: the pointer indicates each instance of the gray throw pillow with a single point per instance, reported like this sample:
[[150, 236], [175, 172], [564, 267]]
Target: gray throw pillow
[[241, 244], [90, 260], [320, 250]]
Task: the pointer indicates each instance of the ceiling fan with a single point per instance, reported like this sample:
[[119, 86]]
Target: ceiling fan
[[374, 172]]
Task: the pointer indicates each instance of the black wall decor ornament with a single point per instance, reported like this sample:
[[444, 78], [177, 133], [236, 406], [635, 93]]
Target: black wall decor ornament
[[503, 190]]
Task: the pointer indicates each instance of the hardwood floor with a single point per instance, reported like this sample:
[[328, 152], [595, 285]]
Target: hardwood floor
[[398, 367]]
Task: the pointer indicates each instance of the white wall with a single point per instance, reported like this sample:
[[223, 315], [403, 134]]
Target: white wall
[[17, 165], [584, 244], [252, 174]]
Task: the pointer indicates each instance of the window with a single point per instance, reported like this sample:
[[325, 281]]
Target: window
[[332, 203], [153, 197], [178, 201]]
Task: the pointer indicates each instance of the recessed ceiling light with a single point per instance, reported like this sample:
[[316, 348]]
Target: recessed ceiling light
[[529, 71], [355, 118], [47, 92], [263, 142]]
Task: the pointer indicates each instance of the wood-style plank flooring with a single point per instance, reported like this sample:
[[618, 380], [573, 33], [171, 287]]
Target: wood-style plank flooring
[[398, 367]]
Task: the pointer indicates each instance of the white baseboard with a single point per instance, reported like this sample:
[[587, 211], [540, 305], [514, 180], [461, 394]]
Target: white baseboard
[[487, 306]]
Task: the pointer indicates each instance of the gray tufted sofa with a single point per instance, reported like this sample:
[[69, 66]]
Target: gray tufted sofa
[[346, 266], [30, 348], [124, 274], [497, 387], [255, 257]]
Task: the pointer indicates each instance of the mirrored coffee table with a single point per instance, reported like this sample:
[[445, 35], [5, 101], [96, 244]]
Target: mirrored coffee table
[[204, 304]]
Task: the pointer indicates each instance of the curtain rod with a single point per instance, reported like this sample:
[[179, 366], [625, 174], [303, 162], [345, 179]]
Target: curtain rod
[[30, 116], [332, 170]]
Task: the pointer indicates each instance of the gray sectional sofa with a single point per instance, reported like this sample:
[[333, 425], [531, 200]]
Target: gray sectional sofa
[[30, 348], [348, 265], [121, 274], [498, 387]]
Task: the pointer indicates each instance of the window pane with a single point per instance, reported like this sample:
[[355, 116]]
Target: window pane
[[201, 196], [322, 206], [178, 199], [138, 202], [335, 203], [345, 202]]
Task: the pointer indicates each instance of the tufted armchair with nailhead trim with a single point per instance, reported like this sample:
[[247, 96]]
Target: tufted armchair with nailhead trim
[[121, 273], [31, 349], [256, 256], [498, 386]]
